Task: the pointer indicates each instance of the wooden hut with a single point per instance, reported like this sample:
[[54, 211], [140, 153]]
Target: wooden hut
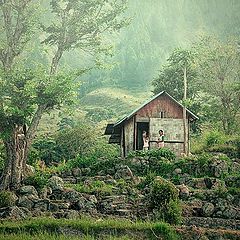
[[160, 112]]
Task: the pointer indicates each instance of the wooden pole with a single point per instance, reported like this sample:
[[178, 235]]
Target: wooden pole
[[185, 130]]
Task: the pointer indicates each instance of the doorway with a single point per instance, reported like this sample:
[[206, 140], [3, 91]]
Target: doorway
[[141, 126]]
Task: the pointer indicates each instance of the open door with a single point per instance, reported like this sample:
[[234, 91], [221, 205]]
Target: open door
[[141, 126]]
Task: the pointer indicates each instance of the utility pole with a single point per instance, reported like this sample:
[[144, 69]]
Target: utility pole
[[185, 129]]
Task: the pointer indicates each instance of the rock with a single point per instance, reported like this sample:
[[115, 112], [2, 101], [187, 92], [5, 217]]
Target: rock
[[76, 172], [80, 204], [28, 190], [56, 183], [53, 207], [200, 183], [42, 205], [71, 195], [86, 171], [124, 172], [29, 171], [71, 214], [177, 171], [24, 201], [235, 167], [183, 191], [218, 167], [93, 199], [45, 192], [14, 213], [208, 209], [221, 204], [230, 213]]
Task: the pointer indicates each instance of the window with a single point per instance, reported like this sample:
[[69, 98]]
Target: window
[[161, 114]]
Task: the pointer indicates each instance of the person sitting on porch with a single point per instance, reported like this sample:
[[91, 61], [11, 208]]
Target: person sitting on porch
[[145, 141], [161, 139]]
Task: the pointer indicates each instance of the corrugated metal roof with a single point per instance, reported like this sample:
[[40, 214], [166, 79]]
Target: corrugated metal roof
[[147, 102]]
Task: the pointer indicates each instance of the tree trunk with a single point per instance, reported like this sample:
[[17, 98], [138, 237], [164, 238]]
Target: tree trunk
[[55, 61], [17, 148], [15, 153], [185, 130]]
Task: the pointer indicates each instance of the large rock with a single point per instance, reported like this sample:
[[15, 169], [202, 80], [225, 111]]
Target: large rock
[[42, 205], [71, 195], [26, 202], [124, 172], [208, 209], [14, 213], [56, 183], [218, 167], [76, 172], [29, 171], [28, 190], [184, 191]]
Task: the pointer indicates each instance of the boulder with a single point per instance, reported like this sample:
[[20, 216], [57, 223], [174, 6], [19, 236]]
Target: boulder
[[28, 190], [93, 199], [124, 172], [184, 191], [71, 195], [25, 202], [45, 192], [218, 167], [14, 213], [42, 205], [177, 171], [231, 212], [76, 172], [29, 171], [208, 209], [56, 183]]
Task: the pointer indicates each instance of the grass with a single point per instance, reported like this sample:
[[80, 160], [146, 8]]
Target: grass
[[97, 187], [88, 227], [45, 235]]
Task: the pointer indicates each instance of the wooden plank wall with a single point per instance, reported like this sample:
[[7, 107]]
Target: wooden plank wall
[[129, 133], [161, 104]]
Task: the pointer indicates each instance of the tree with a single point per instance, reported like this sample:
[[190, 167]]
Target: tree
[[26, 94], [219, 76], [173, 78]]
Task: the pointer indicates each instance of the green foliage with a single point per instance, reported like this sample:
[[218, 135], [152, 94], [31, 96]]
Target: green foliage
[[213, 138], [170, 78], [98, 188], [218, 65], [2, 156], [7, 199], [154, 153], [164, 201], [39, 180]]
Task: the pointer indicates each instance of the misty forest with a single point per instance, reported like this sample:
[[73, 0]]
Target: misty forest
[[119, 119]]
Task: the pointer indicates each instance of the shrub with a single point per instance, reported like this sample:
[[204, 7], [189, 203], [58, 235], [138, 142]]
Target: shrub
[[39, 180], [7, 199], [213, 138], [164, 201], [154, 153]]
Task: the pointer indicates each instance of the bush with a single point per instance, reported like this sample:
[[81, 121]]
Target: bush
[[213, 138], [39, 180], [154, 153], [7, 199], [164, 201]]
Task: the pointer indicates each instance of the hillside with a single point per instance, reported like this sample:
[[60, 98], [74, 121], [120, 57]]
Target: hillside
[[111, 103]]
